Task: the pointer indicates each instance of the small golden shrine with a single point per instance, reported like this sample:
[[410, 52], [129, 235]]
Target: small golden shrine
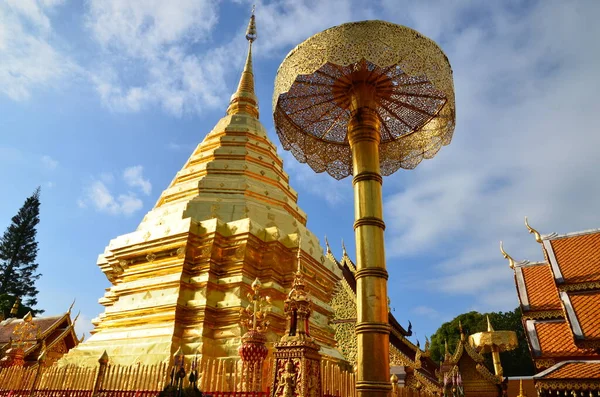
[[418, 368], [228, 217], [465, 373], [22, 340], [560, 302], [297, 368]]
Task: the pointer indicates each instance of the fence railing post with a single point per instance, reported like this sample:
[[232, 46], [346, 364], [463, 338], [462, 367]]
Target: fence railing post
[[103, 361], [37, 378]]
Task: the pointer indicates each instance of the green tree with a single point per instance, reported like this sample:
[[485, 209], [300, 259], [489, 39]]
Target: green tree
[[18, 252], [515, 363]]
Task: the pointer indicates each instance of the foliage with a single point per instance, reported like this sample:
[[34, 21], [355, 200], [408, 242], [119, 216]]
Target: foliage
[[18, 252], [515, 363]]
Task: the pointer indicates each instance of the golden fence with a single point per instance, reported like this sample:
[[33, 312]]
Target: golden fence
[[219, 377]]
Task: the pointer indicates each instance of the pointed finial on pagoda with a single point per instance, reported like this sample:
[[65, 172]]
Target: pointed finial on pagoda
[[489, 324], [462, 333], [446, 350], [344, 253], [244, 100], [327, 246], [511, 261], [15, 308], [76, 317], [536, 234], [298, 255]]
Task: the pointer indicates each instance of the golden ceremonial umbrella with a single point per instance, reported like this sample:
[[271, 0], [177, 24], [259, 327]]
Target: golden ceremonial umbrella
[[366, 98]]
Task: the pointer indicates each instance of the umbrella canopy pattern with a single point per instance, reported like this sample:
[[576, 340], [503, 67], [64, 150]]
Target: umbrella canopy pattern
[[413, 95]]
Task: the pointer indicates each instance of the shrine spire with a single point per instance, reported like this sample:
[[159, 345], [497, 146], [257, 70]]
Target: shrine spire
[[244, 99]]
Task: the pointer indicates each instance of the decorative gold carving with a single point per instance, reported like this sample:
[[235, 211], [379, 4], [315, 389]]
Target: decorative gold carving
[[286, 386], [151, 257], [579, 286], [538, 315], [413, 66], [511, 261], [544, 363], [536, 234]]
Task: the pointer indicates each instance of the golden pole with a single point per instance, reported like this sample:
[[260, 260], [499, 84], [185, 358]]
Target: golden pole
[[496, 359], [372, 326]]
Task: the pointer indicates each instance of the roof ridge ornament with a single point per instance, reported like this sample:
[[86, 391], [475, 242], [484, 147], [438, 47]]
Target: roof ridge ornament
[[511, 261], [537, 235]]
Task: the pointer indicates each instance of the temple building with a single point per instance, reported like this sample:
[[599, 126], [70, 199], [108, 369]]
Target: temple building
[[416, 369], [22, 340], [464, 373], [228, 217], [560, 302]]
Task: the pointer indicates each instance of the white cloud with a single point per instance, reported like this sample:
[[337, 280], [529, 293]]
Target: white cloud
[[49, 163], [426, 311], [83, 326], [29, 58], [98, 196], [525, 144], [134, 178], [150, 55]]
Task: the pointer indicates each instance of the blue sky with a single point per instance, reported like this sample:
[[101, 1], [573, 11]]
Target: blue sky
[[102, 101]]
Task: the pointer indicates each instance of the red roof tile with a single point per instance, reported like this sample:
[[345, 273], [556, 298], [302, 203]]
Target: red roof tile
[[541, 291], [556, 340], [44, 323], [576, 370], [578, 257], [587, 306]]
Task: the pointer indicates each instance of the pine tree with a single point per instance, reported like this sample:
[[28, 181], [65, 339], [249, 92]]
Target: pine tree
[[18, 252]]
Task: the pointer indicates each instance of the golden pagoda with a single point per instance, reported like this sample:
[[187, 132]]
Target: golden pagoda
[[228, 217]]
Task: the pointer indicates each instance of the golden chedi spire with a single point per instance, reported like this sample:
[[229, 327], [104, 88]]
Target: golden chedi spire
[[244, 99], [229, 207]]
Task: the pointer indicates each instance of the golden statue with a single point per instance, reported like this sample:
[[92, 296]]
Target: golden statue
[[287, 381]]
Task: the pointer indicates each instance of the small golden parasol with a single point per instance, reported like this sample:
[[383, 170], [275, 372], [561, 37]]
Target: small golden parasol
[[366, 99], [495, 342]]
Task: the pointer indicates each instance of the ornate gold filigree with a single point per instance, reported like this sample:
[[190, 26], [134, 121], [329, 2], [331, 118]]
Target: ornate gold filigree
[[578, 384], [544, 363], [544, 315], [580, 286], [414, 82]]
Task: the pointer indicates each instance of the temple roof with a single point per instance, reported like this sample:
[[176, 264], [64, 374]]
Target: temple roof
[[552, 338], [576, 257], [560, 297], [567, 370], [45, 331], [535, 284]]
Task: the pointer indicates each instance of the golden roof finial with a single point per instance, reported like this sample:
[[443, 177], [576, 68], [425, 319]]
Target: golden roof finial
[[71, 307], [298, 255], [327, 245], [446, 350], [15, 308], [511, 261], [244, 99], [344, 253], [537, 235], [521, 392], [489, 324]]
